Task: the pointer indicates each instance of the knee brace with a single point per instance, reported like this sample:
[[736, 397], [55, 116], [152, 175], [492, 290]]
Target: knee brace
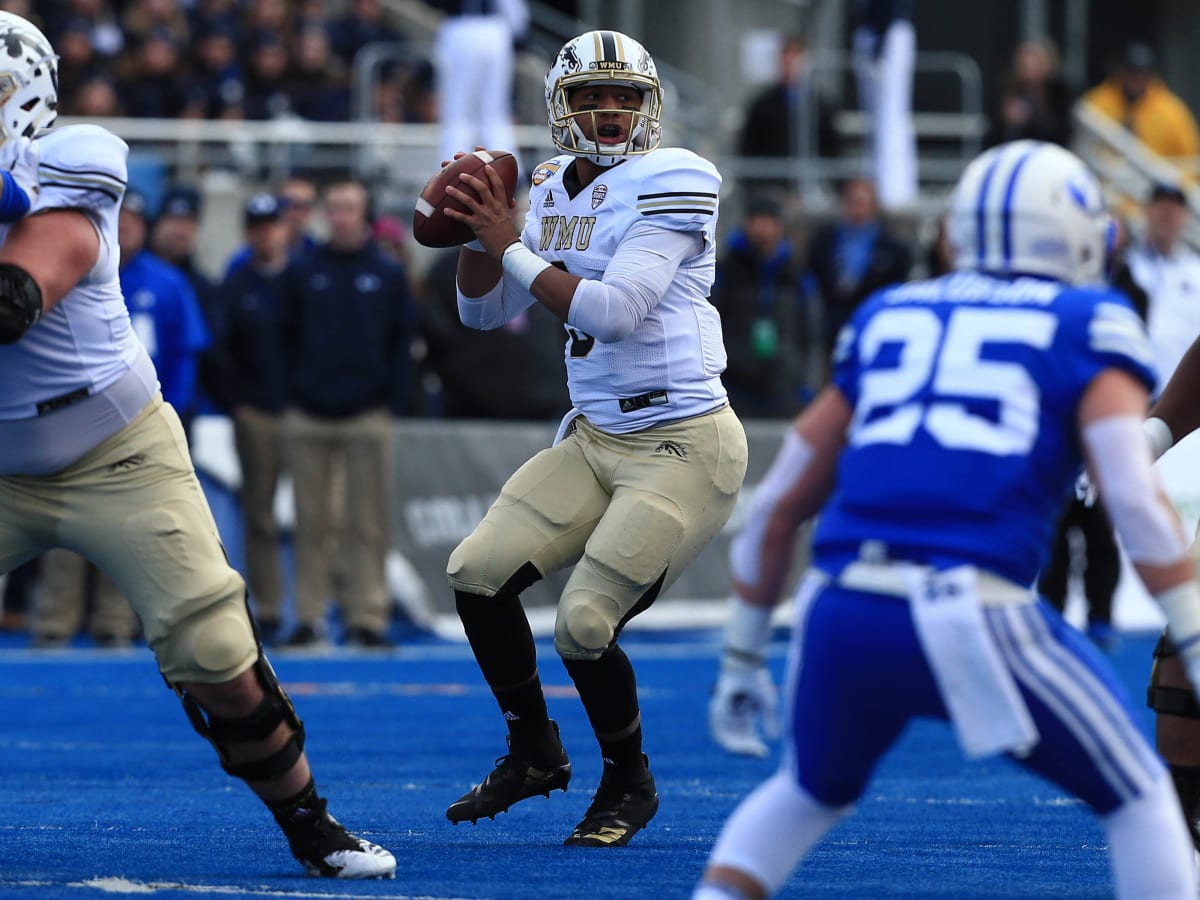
[[1171, 701], [275, 709]]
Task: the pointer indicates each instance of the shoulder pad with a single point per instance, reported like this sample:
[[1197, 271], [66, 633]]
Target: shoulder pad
[[679, 190], [82, 166]]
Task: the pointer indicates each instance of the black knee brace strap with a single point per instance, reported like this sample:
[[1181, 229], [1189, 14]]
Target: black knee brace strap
[[1170, 701], [20, 302], [276, 709]]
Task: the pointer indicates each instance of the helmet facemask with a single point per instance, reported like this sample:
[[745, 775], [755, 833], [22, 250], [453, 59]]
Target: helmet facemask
[[596, 59]]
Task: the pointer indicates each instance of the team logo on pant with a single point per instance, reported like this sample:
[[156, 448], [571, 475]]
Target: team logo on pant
[[671, 449]]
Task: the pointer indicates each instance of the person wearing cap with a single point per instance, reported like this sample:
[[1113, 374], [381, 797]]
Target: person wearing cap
[[163, 308], [1136, 97], [770, 332], [1163, 264], [249, 357]]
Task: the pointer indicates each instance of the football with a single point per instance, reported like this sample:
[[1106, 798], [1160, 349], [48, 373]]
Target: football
[[431, 226]]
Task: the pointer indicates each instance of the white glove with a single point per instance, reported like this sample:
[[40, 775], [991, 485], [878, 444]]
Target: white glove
[[1085, 490], [21, 158], [741, 703]]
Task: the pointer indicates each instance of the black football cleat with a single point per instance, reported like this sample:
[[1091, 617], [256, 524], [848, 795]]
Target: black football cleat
[[327, 850], [515, 778], [620, 809]]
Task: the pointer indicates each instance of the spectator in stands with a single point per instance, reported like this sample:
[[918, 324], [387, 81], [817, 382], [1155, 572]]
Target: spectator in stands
[[298, 195], [267, 95], [217, 86], [77, 58], [474, 59], [253, 388], [392, 237], [203, 15], [1138, 99], [151, 82], [94, 98], [1034, 102], [319, 86], [884, 51], [770, 332], [515, 372], [163, 308], [265, 18], [938, 259], [347, 325], [1163, 264], [174, 238], [789, 118], [141, 17], [360, 24], [853, 257], [107, 37]]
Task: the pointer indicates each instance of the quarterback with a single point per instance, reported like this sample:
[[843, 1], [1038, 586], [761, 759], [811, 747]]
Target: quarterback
[[619, 244], [959, 414], [93, 460]]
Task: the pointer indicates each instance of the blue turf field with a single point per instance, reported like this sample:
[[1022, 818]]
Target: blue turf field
[[107, 791]]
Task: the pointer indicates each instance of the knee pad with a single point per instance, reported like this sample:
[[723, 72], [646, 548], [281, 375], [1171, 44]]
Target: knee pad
[[274, 710], [582, 630], [1170, 701]]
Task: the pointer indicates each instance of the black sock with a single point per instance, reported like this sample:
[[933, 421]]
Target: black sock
[[502, 642], [1187, 788], [298, 806], [608, 689]]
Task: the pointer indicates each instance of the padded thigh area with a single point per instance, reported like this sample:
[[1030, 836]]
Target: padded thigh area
[[544, 515]]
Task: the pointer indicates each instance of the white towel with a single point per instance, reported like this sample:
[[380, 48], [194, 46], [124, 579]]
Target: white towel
[[564, 427], [985, 707]]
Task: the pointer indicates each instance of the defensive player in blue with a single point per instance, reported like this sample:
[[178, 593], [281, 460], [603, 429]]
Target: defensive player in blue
[[959, 414]]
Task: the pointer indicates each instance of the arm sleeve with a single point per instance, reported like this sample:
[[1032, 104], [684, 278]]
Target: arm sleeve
[[635, 280]]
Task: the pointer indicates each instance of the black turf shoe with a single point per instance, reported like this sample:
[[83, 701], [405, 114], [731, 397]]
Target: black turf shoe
[[620, 809], [327, 850], [515, 778]]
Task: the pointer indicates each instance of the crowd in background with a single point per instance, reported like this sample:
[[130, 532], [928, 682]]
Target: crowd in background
[[314, 391]]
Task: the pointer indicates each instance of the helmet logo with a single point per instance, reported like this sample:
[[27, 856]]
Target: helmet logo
[[644, 61], [13, 46], [570, 59]]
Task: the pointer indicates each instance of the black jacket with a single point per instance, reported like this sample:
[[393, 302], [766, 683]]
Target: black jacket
[[347, 329]]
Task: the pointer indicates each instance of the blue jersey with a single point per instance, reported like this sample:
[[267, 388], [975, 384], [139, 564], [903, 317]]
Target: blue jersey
[[962, 448]]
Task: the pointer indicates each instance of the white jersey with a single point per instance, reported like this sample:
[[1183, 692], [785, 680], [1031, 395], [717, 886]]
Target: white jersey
[[85, 342], [669, 367]]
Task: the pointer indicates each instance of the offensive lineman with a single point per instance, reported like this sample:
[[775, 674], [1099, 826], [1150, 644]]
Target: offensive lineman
[[958, 415], [92, 459], [619, 244]]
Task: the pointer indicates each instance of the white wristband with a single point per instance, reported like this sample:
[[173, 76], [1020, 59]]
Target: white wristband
[[475, 245], [1181, 605], [1158, 434], [522, 264]]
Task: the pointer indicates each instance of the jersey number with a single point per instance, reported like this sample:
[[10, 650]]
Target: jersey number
[[888, 409]]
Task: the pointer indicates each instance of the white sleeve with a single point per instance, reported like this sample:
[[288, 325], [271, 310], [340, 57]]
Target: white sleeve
[[634, 281], [1132, 491], [501, 304]]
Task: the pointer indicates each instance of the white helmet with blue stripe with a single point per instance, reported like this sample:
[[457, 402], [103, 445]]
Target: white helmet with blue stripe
[[1030, 208]]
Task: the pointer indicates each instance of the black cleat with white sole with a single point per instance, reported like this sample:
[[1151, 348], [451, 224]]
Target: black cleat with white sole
[[327, 850]]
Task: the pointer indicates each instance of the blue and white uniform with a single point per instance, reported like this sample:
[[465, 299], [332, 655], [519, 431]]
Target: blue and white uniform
[[967, 385]]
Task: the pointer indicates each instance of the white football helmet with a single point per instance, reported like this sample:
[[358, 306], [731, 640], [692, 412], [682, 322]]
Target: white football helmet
[[1030, 208], [603, 57], [28, 79]]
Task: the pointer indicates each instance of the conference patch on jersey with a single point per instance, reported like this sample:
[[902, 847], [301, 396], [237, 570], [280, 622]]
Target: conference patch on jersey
[[1115, 328], [544, 171]]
